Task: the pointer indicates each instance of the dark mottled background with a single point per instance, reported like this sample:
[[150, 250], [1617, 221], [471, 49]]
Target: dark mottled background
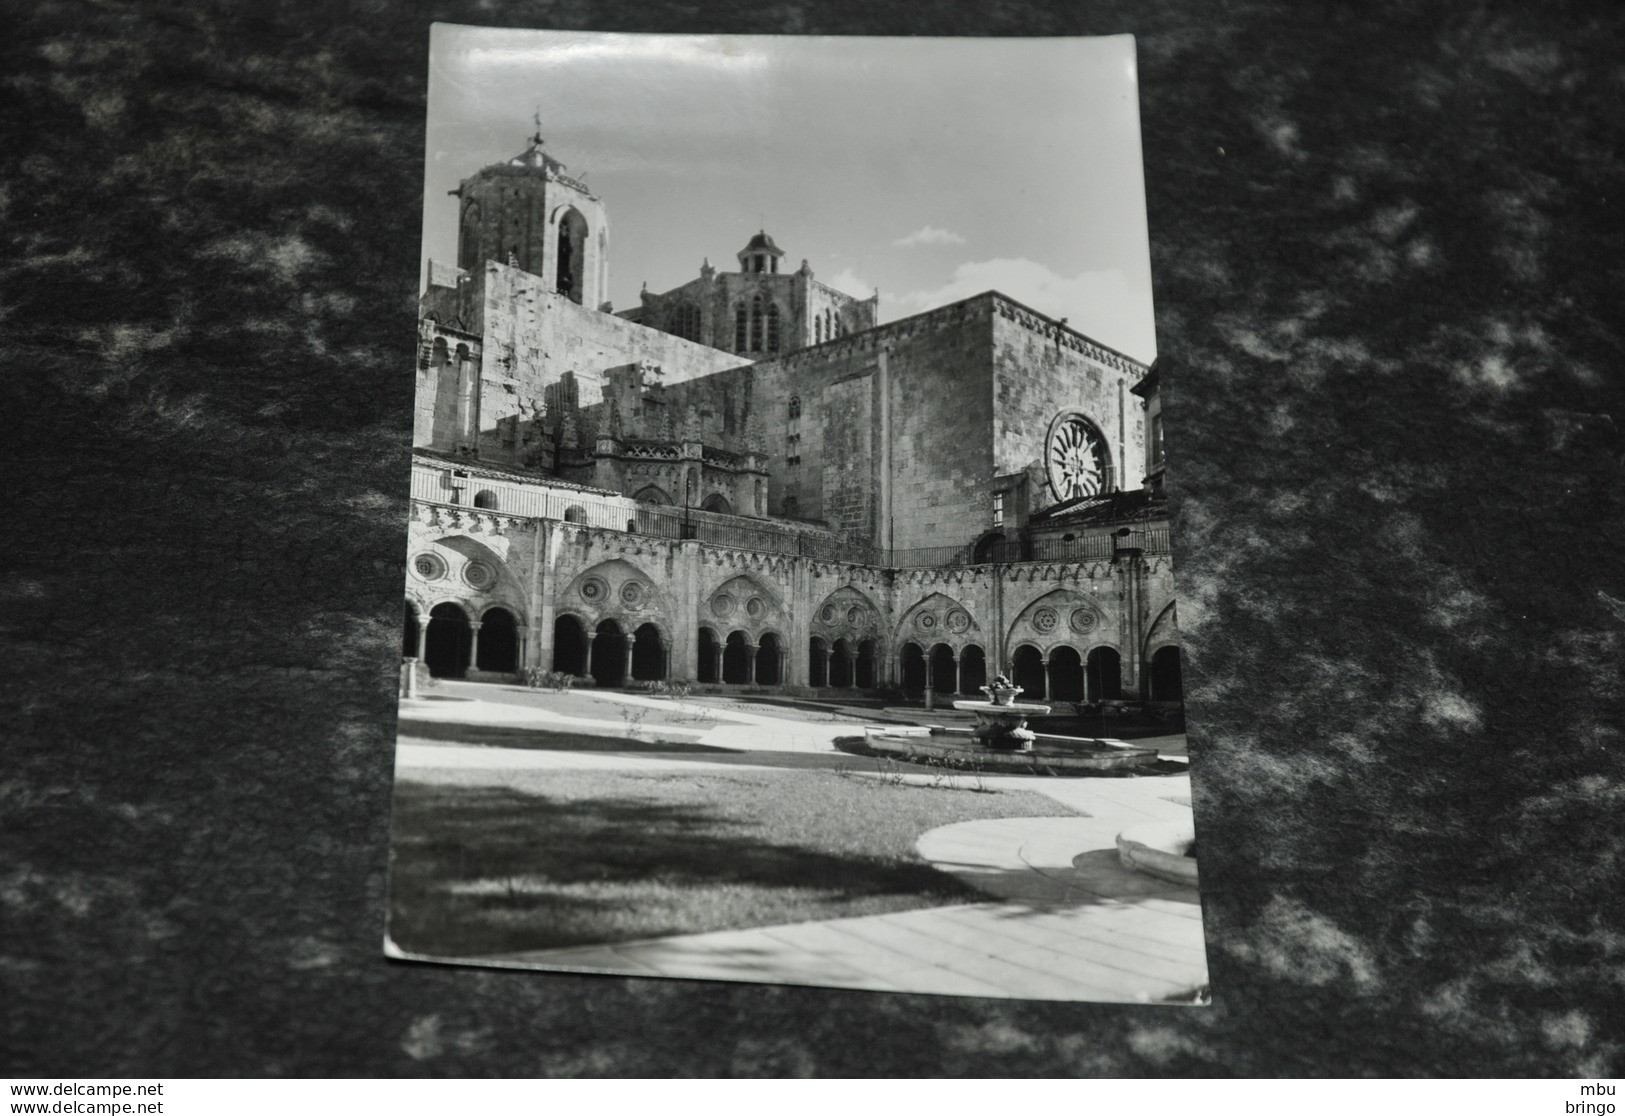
[[1388, 279]]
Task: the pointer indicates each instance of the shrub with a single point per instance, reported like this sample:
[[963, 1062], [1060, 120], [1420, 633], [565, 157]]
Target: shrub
[[538, 679]]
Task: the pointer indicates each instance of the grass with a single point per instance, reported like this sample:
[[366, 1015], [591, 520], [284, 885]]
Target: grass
[[783, 709], [584, 705], [563, 858]]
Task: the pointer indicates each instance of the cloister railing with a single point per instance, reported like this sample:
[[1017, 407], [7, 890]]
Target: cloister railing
[[607, 511]]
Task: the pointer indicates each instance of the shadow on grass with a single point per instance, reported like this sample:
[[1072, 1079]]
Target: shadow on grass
[[550, 740], [579, 858]]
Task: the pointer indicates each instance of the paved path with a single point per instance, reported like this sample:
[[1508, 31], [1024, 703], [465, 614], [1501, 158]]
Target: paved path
[[1066, 922]]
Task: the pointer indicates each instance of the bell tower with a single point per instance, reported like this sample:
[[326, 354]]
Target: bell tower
[[529, 213]]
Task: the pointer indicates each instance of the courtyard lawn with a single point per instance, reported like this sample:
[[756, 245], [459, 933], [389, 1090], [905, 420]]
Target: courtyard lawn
[[562, 858], [786, 709], [572, 704]]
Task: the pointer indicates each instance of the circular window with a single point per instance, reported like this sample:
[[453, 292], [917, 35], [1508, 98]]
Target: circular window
[[595, 590], [756, 607], [631, 594], [828, 614], [1084, 620], [722, 604], [1044, 620], [479, 574], [1075, 457], [958, 621], [854, 616], [926, 621], [429, 566]]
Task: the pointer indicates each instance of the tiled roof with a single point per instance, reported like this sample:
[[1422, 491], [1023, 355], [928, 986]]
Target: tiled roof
[[1113, 508]]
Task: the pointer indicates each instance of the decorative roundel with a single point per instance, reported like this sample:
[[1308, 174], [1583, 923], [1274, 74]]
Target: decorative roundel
[[828, 614], [1075, 456], [722, 604], [429, 566], [479, 574], [1084, 620], [926, 621], [855, 616], [631, 594], [958, 621], [1044, 620], [756, 607], [595, 590]]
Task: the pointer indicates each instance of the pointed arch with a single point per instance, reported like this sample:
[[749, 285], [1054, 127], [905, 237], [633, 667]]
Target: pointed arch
[[617, 589], [937, 617], [1062, 615], [848, 613], [1164, 630], [744, 602]]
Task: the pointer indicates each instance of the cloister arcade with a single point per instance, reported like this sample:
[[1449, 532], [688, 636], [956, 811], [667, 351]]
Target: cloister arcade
[[842, 665], [1062, 673], [450, 643], [617, 651], [622, 618]]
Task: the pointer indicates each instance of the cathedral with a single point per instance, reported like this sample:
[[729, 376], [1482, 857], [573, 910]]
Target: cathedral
[[748, 482]]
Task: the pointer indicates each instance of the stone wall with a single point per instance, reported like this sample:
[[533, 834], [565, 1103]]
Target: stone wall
[[941, 410], [448, 362], [1041, 369], [533, 336]]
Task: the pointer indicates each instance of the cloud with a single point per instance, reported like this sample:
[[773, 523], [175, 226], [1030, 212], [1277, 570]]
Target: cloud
[[849, 282], [928, 234], [1101, 304]]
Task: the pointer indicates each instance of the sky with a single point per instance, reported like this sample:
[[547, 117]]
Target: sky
[[929, 169]]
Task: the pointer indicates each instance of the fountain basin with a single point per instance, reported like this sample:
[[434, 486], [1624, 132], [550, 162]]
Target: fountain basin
[[1048, 755], [1160, 849], [1003, 724]]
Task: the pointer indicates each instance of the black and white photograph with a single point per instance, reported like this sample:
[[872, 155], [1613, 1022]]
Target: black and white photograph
[[680, 541], [789, 591]]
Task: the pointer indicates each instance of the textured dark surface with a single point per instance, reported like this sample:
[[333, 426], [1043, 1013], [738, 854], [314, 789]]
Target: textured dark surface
[[1387, 257]]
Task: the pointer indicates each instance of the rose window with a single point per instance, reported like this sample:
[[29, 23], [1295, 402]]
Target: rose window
[[480, 575], [1076, 458]]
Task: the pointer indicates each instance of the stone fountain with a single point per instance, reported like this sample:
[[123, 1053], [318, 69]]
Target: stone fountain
[[1001, 721]]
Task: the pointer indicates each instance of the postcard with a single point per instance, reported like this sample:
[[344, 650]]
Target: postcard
[[789, 595]]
